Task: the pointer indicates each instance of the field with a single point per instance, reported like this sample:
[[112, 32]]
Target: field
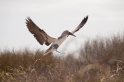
[[100, 60]]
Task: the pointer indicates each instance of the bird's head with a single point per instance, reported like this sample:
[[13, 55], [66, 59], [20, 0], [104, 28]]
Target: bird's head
[[68, 33]]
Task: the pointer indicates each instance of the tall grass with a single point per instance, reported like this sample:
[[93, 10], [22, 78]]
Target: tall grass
[[100, 60]]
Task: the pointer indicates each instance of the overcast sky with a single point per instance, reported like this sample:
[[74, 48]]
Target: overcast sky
[[106, 17]]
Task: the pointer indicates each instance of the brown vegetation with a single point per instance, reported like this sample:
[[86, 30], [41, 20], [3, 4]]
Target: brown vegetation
[[100, 60]]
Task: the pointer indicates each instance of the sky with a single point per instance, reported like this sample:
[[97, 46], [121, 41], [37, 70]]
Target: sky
[[106, 17]]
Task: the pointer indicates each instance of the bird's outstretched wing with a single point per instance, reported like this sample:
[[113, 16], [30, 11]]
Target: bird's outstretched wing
[[41, 36], [80, 25]]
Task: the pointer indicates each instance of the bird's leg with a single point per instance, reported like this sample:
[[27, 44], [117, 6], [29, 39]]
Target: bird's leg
[[55, 46], [60, 52]]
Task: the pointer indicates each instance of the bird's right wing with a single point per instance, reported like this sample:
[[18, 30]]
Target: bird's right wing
[[80, 25], [41, 36]]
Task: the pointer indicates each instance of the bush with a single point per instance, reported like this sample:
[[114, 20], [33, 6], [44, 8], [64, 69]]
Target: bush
[[100, 60]]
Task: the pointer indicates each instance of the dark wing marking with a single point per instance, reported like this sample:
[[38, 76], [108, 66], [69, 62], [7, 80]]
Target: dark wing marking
[[52, 47], [80, 25], [41, 36]]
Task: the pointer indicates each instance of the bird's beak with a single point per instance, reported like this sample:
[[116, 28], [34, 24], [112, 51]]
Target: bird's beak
[[71, 34]]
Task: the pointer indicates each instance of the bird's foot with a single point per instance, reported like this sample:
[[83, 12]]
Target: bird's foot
[[60, 52]]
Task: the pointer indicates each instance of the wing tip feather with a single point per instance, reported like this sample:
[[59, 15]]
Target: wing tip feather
[[85, 19]]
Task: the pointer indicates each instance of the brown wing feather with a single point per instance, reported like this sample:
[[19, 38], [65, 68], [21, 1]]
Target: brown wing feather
[[80, 25], [40, 35]]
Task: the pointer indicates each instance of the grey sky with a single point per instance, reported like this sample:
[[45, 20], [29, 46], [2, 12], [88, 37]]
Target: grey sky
[[105, 18]]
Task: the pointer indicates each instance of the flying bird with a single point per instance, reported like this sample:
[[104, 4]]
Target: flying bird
[[43, 38]]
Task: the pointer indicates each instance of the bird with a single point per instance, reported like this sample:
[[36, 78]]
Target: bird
[[43, 38]]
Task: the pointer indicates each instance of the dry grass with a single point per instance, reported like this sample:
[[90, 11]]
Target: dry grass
[[101, 60]]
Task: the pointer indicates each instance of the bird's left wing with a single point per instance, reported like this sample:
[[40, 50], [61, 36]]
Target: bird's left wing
[[80, 25], [41, 36]]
